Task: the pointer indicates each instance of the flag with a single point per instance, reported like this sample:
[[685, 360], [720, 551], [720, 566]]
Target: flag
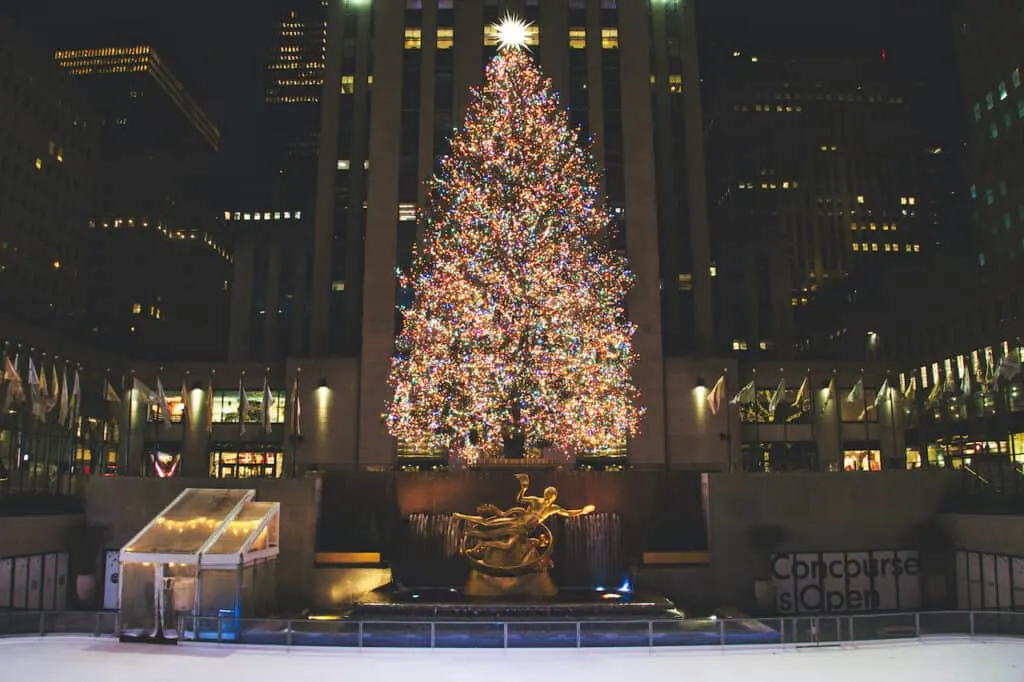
[[62, 413], [802, 391], [296, 409], [243, 406], [857, 392], [780, 391], [109, 394], [54, 396], [830, 391], [161, 400], [185, 411], [745, 396], [209, 406], [883, 393], [76, 403], [15, 389], [268, 403], [965, 383], [35, 392], [1008, 368], [146, 395], [934, 394], [910, 394], [715, 396]]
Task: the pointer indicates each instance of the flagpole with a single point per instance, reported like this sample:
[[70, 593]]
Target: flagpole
[[867, 423], [13, 422], [241, 412], [42, 440], [836, 399], [728, 418], [757, 426], [892, 421], [131, 400], [294, 423], [811, 390], [785, 422], [21, 434]]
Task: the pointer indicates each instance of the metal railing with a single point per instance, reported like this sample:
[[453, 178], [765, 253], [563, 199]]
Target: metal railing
[[822, 630]]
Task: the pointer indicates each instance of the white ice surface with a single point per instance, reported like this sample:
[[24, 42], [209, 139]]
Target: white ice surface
[[78, 659]]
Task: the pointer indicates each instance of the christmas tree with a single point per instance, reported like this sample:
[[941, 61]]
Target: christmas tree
[[516, 336]]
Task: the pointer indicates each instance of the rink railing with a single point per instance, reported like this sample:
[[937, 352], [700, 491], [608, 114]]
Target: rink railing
[[794, 630]]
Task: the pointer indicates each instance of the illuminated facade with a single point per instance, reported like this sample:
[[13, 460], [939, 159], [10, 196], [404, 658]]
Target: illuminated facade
[[823, 185], [155, 244], [48, 146]]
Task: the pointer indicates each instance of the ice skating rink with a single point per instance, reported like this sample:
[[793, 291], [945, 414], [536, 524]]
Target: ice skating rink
[[79, 659]]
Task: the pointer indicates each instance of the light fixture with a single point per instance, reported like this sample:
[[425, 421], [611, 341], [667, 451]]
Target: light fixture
[[700, 383], [322, 383]]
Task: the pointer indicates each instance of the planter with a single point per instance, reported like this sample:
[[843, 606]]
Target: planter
[[85, 588], [764, 594]]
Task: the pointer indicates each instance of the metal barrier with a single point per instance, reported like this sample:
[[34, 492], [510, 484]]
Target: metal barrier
[[822, 630]]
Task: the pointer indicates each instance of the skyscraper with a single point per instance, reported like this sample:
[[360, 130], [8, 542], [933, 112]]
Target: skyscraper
[[155, 244]]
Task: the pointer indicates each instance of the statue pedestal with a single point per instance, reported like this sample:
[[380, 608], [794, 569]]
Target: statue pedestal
[[535, 585]]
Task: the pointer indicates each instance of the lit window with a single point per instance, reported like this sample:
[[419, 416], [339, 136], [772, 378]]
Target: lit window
[[675, 83], [981, 259], [685, 282], [298, 215], [785, 184], [873, 227], [874, 247], [989, 101], [610, 38], [56, 265], [739, 344], [406, 212], [1002, 90], [917, 247], [413, 38], [856, 246], [277, 215], [445, 38], [860, 198], [754, 60], [60, 156], [342, 164], [137, 308], [39, 164], [577, 38], [713, 270], [338, 285], [911, 200], [237, 216], [227, 215], [247, 216]]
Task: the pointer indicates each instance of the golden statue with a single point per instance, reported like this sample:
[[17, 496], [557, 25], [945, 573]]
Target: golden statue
[[510, 550]]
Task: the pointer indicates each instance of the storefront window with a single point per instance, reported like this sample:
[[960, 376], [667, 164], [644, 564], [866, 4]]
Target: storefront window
[[227, 464], [226, 403], [913, 458], [862, 460], [175, 405], [936, 455]]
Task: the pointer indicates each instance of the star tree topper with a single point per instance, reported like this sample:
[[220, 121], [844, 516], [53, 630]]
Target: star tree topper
[[511, 33]]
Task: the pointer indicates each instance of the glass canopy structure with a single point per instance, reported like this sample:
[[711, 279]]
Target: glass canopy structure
[[206, 560]]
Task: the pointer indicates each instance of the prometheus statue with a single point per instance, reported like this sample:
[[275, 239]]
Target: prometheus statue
[[510, 550]]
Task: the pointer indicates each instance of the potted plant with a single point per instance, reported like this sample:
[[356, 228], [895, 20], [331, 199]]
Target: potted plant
[[764, 539]]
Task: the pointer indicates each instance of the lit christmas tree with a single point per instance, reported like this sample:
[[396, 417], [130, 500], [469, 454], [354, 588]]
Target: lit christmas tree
[[516, 336]]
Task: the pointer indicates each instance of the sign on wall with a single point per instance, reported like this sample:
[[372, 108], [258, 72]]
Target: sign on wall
[[839, 582]]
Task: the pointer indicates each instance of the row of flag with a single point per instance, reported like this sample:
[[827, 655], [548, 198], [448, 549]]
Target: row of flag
[[158, 397], [1008, 368], [43, 395]]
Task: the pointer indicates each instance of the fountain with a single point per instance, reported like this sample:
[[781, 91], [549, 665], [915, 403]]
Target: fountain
[[508, 564]]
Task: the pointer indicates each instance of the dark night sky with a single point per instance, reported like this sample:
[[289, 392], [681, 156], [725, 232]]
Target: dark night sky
[[218, 47]]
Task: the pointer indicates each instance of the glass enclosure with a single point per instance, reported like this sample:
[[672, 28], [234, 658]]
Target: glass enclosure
[[206, 560]]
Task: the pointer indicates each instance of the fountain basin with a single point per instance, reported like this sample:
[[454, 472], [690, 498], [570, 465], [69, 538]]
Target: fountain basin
[[439, 604]]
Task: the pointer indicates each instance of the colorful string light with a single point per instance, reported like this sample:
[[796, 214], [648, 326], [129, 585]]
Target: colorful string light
[[517, 323]]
